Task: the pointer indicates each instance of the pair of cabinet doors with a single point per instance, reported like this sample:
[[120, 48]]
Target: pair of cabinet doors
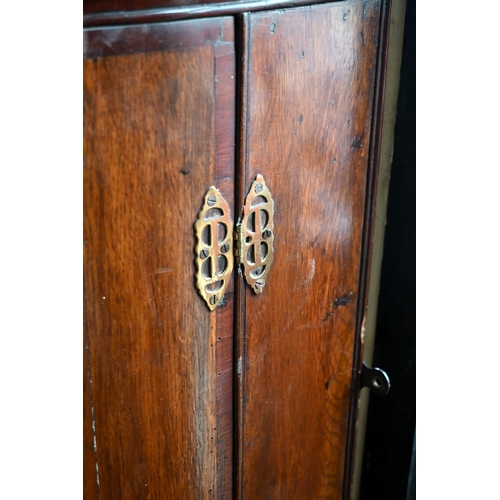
[[256, 399]]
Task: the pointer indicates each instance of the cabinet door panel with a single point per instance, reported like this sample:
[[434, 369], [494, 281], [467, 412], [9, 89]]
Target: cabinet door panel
[[158, 131], [309, 83]]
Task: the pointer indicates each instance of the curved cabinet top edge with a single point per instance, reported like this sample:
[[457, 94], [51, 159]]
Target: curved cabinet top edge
[[111, 13]]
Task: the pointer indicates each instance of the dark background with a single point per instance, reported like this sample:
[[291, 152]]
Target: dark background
[[388, 471]]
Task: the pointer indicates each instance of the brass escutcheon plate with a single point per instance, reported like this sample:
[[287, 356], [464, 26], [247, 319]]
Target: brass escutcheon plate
[[255, 235], [214, 248]]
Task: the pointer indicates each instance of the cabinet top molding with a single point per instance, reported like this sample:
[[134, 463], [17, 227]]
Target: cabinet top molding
[[122, 12]]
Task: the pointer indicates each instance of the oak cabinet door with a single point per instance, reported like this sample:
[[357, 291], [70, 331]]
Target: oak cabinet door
[[159, 129], [309, 87]]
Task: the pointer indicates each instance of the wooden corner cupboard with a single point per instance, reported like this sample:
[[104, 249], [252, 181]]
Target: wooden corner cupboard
[[256, 399]]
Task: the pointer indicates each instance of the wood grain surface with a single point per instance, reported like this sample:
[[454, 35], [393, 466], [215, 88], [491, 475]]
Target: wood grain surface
[[225, 123], [308, 91], [153, 37], [151, 149]]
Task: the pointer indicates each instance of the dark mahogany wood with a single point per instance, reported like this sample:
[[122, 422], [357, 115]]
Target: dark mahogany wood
[[119, 12], [149, 38], [95, 6], [225, 95], [156, 128], [310, 80]]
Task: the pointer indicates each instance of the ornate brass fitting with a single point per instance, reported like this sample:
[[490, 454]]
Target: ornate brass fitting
[[254, 235], [214, 248]]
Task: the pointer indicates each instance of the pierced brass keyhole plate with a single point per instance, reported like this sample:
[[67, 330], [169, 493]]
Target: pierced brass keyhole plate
[[214, 248], [255, 235]]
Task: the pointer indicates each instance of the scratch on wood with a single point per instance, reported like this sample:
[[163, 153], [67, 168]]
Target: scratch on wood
[[98, 483], [163, 270], [89, 374], [313, 268], [327, 316]]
